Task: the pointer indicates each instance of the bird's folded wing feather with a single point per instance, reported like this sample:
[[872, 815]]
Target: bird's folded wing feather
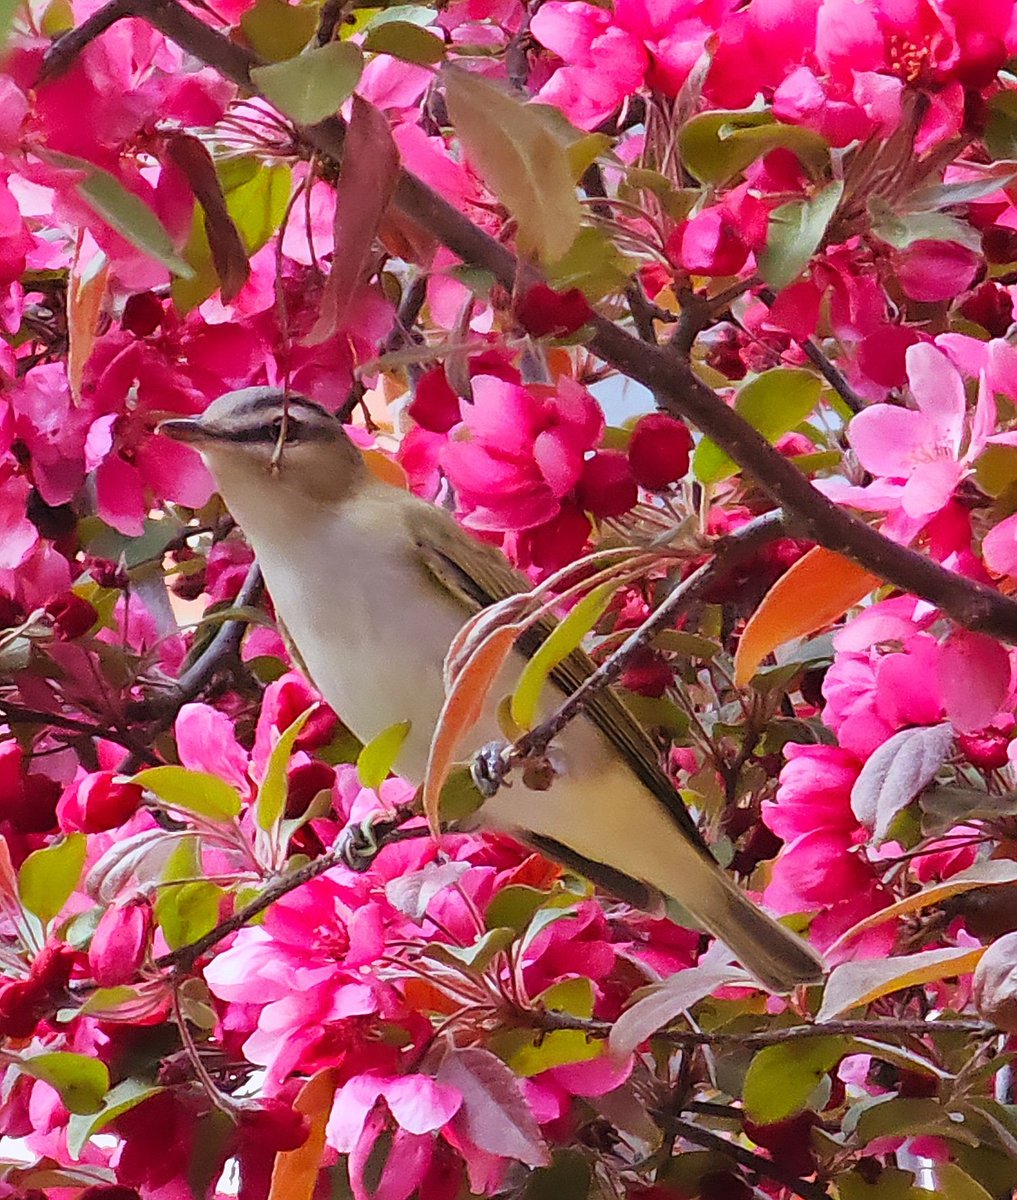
[[478, 576]]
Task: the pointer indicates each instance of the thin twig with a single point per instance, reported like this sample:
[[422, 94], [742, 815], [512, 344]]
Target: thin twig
[[729, 552], [765, 1168], [384, 834], [822, 362], [16, 714]]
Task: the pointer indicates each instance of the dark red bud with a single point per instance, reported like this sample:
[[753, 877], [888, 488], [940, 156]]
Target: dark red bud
[[71, 615], [109, 1191], [724, 1185], [986, 750], [999, 244], [274, 1125], [607, 488], [543, 312], [305, 782], [990, 306], [106, 573], [981, 57], [106, 802], [143, 314], [648, 674], [659, 451]]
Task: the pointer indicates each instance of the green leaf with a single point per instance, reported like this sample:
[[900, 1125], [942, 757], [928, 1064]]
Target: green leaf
[[773, 403], [405, 41], [565, 637], [855, 984], [377, 759], [718, 145], [81, 1081], [123, 212], [256, 200], [187, 911], [271, 802], [312, 86], [514, 907], [193, 791], [1001, 128], [276, 30], [900, 230], [794, 234], [520, 159], [49, 876], [572, 996], [781, 1078], [528, 1055], [120, 1099], [460, 797], [594, 264], [478, 956], [569, 1177]]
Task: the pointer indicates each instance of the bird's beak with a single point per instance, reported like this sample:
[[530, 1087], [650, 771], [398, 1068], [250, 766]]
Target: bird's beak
[[182, 429]]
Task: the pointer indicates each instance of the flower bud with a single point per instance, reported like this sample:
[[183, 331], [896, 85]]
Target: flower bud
[[143, 314], [119, 943], [543, 312], [434, 406], [304, 782], [71, 615], [109, 1191], [606, 488], [100, 801], [659, 451], [274, 1125]]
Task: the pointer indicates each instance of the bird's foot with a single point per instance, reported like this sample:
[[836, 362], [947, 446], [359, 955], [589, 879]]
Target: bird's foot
[[490, 768]]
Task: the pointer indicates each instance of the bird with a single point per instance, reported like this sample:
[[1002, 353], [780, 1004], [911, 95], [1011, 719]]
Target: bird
[[372, 584]]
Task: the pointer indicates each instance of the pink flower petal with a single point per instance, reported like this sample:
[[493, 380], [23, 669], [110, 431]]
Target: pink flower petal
[[974, 677], [887, 439], [939, 393]]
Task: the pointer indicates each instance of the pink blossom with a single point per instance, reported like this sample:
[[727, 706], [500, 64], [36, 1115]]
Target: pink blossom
[[929, 448], [519, 452]]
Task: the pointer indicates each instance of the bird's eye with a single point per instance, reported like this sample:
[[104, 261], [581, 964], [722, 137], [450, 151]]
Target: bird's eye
[[285, 429]]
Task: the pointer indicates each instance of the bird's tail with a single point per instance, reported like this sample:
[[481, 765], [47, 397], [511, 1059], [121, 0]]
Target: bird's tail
[[778, 958]]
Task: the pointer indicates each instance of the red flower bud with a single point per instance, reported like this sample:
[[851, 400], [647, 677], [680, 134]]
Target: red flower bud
[[990, 306], [987, 749], [274, 1125], [647, 673], [542, 311], [119, 943], [20, 1004], [999, 244], [434, 406], [51, 967], [100, 801], [659, 451], [304, 783], [607, 488], [290, 696], [71, 615], [142, 314]]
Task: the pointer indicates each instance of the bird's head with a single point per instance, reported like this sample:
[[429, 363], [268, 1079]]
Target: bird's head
[[257, 436]]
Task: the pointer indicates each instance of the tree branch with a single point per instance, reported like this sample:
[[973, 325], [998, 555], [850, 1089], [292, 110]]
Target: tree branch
[[677, 388], [730, 551], [763, 1167]]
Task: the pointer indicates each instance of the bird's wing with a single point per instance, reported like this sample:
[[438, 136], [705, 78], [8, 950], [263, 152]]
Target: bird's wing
[[478, 576]]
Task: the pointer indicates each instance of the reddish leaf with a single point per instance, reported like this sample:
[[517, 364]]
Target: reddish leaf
[[494, 1115], [85, 293], [461, 711], [367, 179], [229, 256]]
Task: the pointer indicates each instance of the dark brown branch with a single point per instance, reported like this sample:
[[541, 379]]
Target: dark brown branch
[[763, 1168], [16, 714], [672, 381], [871, 1030], [821, 361]]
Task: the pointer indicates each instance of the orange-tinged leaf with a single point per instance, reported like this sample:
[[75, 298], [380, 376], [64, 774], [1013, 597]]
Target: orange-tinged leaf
[[461, 711], [386, 469], [855, 984], [993, 873], [85, 294], [422, 996], [8, 879], [820, 587], [295, 1172]]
